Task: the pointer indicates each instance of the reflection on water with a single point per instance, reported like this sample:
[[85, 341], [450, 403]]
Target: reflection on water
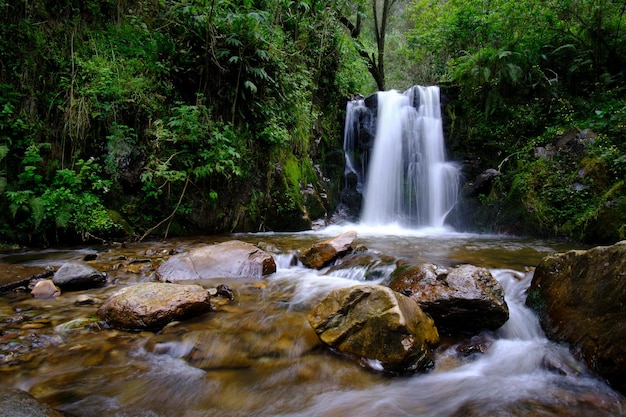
[[258, 356]]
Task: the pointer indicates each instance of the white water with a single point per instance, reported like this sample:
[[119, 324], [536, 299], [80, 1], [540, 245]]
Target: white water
[[282, 372], [408, 180], [520, 371]]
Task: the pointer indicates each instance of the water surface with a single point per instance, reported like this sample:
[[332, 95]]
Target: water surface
[[257, 356]]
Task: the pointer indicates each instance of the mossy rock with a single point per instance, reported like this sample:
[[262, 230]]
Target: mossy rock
[[121, 222], [608, 224]]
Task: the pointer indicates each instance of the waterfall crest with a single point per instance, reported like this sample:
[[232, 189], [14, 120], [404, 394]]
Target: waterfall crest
[[400, 165]]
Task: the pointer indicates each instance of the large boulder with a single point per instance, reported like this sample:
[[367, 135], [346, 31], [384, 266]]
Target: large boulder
[[232, 259], [462, 300], [17, 403], [382, 329], [322, 253], [78, 276], [580, 297], [152, 305]]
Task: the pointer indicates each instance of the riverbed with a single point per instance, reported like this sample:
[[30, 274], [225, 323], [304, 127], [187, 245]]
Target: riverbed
[[258, 356]]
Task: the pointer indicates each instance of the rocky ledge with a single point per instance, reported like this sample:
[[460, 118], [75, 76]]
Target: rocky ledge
[[580, 297]]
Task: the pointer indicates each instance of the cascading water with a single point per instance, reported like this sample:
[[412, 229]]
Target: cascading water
[[405, 178]]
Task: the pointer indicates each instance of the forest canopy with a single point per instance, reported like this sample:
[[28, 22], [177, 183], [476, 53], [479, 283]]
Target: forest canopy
[[136, 118]]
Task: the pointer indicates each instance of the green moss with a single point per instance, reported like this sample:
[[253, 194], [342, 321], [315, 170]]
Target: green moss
[[536, 301], [120, 222]]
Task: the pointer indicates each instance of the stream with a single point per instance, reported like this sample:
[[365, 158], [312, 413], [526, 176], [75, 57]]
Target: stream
[[258, 356]]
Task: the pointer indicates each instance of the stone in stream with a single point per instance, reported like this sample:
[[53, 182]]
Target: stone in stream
[[580, 297], [17, 403], [461, 300], [45, 289], [232, 259], [322, 253], [383, 329], [152, 305], [78, 276]]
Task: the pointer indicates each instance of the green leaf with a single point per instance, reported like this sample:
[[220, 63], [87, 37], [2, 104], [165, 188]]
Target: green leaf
[[250, 86]]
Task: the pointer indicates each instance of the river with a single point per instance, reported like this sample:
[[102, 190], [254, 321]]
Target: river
[[257, 356]]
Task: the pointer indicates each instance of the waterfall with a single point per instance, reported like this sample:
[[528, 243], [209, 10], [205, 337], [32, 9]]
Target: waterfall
[[403, 173]]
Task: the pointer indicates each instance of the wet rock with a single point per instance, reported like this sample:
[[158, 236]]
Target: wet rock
[[45, 289], [322, 253], [363, 265], [478, 344], [461, 300], [17, 403], [580, 297], [383, 329], [85, 299], [90, 257], [225, 291], [237, 339], [153, 305], [232, 259], [481, 184], [77, 324], [16, 276], [78, 276]]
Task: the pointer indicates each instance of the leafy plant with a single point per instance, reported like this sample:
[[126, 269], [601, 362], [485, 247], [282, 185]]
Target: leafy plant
[[71, 203]]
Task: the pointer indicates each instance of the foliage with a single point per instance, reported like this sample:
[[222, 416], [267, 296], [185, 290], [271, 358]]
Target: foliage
[[72, 203], [188, 112], [188, 146], [174, 105]]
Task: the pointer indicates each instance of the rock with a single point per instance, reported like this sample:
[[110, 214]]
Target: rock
[[77, 324], [232, 259], [85, 299], [380, 327], [17, 403], [481, 184], [461, 300], [45, 289], [14, 276], [78, 276], [608, 224], [363, 265], [152, 305], [225, 291], [322, 253], [580, 297]]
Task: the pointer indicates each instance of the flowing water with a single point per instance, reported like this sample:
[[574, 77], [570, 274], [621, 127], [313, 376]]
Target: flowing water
[[257, 355], [406, 176]]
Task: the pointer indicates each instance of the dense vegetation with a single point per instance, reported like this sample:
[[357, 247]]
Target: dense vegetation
[[539, 92], [130, 118], [137, 117]]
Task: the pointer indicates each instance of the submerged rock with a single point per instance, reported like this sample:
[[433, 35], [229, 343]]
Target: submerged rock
[[383, 329], [77, 276], [322, 253], [152, 305], [232, 259], [465, 299], [580, 297]]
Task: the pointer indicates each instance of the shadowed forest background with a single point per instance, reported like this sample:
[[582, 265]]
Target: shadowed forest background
[[129, 119]]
